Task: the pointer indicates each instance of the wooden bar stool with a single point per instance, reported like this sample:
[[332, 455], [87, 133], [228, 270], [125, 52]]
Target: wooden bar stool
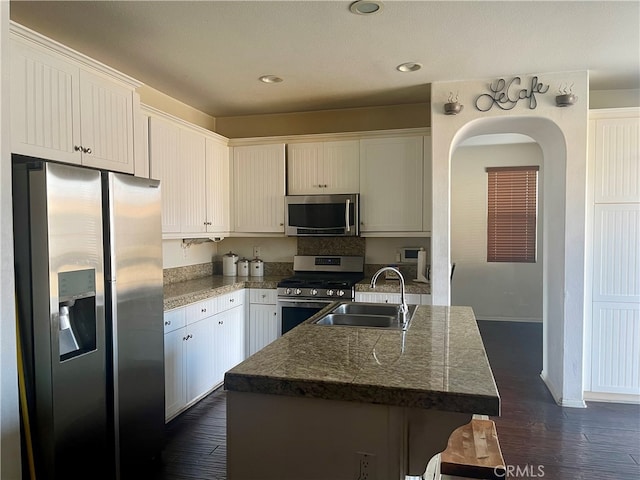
[[473, 452]]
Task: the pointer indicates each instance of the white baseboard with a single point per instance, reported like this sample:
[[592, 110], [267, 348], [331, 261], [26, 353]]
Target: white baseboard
[[612, 397], [563, 402], [511, 319]]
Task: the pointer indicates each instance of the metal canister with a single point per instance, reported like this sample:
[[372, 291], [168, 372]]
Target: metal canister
[[229, 264], [257, 268], [243, 267]]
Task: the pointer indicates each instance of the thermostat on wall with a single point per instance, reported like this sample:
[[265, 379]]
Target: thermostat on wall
[[409, 254]]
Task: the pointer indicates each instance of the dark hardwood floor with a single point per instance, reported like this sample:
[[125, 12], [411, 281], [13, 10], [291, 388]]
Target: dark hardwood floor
[[601, 442]]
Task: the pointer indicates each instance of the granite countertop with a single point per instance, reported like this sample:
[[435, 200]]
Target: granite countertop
[[179, 294], [443, 364], [182, 293]]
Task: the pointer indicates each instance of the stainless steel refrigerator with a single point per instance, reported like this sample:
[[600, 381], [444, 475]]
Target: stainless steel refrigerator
[[88, 249]]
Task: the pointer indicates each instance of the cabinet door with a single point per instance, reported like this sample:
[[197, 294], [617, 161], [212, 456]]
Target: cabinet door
[[229, 341], [106, 114], [163, 159], [263, 326], [217, 186], [302, 168], [193, 215], [259, 186], [174, 372], [45, 107], [340, 169], [200, 356], [617, 142], [426, 185], [391, 181]]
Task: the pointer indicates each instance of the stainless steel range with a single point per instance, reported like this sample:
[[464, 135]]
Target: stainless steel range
[[317, 281]]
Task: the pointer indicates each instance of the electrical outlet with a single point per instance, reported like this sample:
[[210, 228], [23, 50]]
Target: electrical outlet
[[366, 466], [256, 252]]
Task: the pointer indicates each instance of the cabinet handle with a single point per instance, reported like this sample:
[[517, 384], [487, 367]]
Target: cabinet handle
[[203, 310], [282, 224], [231, 300], [88, 150], [168, 322], [264, 295], [221, 322], [78, 148]]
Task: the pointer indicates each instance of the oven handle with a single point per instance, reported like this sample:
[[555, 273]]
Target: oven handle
[[293, 302], [346, 215]]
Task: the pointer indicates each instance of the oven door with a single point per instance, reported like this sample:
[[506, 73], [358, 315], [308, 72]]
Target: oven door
[[294, 311]]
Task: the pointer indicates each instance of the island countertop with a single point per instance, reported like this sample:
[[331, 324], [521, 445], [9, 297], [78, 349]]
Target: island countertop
[[438, 363]]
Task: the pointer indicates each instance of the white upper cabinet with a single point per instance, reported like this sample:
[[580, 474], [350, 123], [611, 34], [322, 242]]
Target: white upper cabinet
[[193, 169], [64, 110], [323, 167], [391, 184], [164, 140], [617, 143], [217, 179], [258, 188]]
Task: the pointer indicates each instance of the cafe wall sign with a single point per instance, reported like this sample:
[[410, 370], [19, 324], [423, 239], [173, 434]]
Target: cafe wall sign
[[506, 94]]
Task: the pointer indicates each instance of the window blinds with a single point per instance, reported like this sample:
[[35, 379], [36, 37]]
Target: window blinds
[[512, 212]]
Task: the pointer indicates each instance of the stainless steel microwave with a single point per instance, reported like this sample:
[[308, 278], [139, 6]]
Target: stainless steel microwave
[[322, 215]]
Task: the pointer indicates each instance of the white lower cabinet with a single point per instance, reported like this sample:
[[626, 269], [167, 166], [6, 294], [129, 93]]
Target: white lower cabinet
[[263, 319], [175, 393], [202, 341], [200, 375]]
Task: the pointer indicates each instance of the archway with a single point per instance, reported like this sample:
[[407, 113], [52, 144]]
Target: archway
[[557, 259]]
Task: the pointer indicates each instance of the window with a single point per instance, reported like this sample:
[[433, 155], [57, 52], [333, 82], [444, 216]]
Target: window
[[512, 211]]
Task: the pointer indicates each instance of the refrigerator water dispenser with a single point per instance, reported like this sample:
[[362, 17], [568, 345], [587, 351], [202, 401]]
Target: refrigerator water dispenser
[[76, 313]]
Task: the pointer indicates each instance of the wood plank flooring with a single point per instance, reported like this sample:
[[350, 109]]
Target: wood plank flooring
[[601, 442]]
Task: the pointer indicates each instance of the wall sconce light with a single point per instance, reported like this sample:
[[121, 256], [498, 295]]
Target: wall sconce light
[[566, 97], [452, 107]]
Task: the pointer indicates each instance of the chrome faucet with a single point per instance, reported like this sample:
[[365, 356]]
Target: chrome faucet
[[404, 309]]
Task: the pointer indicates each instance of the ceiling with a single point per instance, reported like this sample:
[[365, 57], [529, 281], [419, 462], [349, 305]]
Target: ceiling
[[209, 54]]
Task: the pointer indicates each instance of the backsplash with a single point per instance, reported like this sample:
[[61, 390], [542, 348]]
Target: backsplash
[[189, 272], [332, 246]]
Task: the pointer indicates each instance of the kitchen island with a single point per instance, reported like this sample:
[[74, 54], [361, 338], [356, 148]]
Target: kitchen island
[[313, 403]]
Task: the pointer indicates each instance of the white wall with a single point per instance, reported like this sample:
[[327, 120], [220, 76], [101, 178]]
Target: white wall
[[177, 254], [614, 98], [562, 135], [496, 290], [9, 420], [274, 249]]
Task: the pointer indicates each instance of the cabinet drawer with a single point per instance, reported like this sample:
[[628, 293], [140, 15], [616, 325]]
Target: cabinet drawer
[[174, 319], [198, 311], [266, 296], [230, 300]]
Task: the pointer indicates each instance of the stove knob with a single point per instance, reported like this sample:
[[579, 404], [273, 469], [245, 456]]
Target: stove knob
[[298, 291], [341, 293], [287, 291], [314, 291], [329, 293]]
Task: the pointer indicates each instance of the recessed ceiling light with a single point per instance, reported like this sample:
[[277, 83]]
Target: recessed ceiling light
[[270, 79], [366, 7], [409, 67]]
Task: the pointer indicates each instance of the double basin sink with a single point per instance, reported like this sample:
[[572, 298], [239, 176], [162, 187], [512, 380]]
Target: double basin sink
[[367, 315]]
